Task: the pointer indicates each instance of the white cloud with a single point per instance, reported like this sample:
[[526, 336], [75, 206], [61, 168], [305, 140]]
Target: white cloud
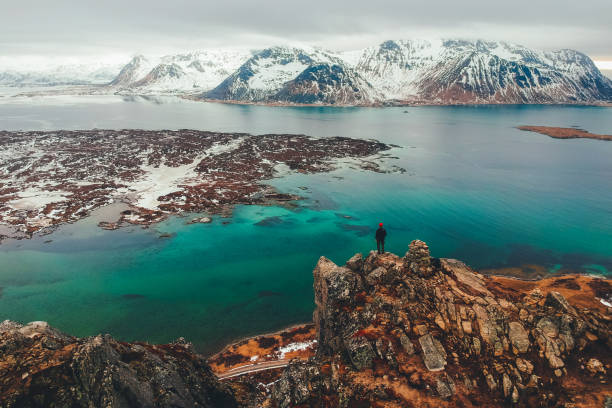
[[70, 27]]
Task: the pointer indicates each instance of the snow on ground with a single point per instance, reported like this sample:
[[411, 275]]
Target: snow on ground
[[272, 76], [503, 50], [33, 198], [295, 347], [219, 148], [159, 181], [163, 180]]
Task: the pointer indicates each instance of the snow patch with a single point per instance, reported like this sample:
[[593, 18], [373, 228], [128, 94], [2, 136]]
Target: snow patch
[[35, 199], [295, 347], [162, 180], [159, 181]]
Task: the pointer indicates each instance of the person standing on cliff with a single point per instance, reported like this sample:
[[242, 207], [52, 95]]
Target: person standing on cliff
[[381, 233]]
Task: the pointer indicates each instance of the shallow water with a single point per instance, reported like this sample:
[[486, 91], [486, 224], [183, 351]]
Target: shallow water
[[475, 188]]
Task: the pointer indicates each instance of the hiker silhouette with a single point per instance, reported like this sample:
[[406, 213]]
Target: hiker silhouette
[[381, 233]]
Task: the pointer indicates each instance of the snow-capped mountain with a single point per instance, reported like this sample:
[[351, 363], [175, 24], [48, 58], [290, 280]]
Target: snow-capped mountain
[[39, 72], [132, 72], [394, 67], [265, 74], [394, 72], [197, 71], [456, 71], [417, 71]]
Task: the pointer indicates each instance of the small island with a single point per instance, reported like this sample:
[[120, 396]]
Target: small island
[[564, 133]]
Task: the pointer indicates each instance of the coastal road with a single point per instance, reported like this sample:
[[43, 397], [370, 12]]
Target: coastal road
[[253, 368]]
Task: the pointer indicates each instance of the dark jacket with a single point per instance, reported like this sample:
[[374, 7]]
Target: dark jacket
[[381, 233]]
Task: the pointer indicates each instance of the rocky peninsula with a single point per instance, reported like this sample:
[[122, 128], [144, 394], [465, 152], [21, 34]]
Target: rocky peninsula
[[389, 331], [565, 133], [53, 177]]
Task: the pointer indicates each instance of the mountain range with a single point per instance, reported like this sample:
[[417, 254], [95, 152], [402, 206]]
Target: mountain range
[[394, 72]]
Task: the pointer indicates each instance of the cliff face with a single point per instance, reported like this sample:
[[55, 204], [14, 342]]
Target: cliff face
[[412, 331], [418, 331], [41, 367]]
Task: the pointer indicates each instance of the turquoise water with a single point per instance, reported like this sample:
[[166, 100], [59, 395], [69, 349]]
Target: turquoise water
[[475, 188]]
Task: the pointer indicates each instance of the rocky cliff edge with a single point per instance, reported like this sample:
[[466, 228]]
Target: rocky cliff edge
[[417, 331], [389, 331]]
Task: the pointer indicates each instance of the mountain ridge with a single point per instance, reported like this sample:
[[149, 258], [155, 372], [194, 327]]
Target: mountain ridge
[[395, 72]]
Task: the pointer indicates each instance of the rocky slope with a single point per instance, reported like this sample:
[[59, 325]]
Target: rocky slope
[[423, 332], [456, 71], [330, 84], [389, 331], [41, 367]]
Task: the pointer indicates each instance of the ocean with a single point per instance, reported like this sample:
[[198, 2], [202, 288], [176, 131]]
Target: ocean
[[474, 188]]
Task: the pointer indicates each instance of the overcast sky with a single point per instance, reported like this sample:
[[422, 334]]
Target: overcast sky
[[127, 27]]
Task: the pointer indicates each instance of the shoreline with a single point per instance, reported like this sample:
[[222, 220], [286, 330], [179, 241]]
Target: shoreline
[[104, 90], [425, 329], [559, 282]]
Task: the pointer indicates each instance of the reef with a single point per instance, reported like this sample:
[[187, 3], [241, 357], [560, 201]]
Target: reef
[[54, 177], [388, 331]]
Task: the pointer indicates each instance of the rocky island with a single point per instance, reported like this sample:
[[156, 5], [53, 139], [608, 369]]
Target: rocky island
[[389, 331], [564, 133], [53, 177]]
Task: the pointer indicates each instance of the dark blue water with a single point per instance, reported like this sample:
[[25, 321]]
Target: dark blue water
[[475, 188]]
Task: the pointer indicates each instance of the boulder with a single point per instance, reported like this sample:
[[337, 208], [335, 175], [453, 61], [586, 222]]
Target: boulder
[[518, 337], [524, 366], [594, 366], [434, 355], [418, 260], [360, 352], [378, 276], [558, 301], [445, 386], [355, 263], [407, 344], [201, 220], [506, 385]]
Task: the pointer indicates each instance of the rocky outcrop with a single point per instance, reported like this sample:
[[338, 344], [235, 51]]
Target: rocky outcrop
[[42, 367], [420, 331], [411, 331]]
